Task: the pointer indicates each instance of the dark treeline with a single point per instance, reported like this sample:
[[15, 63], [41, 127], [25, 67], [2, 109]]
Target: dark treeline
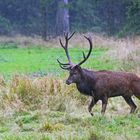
[[50, 18]]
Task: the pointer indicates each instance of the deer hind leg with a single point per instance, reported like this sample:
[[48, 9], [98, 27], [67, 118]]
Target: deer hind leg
[[130, 102], [92, 103], [104, 105], [136, 91]]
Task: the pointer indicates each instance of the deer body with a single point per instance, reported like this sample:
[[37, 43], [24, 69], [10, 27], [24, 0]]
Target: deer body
[[101, 85], [108, 83]]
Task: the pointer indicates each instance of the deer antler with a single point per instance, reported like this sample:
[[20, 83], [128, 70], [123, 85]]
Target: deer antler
[[69, 65], [86, 57], [65, 47]]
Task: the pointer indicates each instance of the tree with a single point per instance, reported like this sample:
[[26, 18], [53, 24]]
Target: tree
[[132, 26], [112, 14], [50, 18], [23, 16], [83, 16], [62, 17]]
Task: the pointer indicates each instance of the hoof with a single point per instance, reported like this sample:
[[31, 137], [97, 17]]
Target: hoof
[[103, 113], [91, 114]]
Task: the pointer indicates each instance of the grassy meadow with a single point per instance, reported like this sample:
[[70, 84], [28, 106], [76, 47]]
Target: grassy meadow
[[36, 104], [41, 60]]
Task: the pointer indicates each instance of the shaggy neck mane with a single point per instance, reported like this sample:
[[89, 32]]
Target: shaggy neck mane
[[84, 85]]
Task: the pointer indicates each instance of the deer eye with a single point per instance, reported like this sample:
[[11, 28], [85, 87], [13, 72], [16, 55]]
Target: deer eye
[[74, 73]]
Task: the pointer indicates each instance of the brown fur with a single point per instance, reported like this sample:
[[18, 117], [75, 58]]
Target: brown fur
[[101, 85]]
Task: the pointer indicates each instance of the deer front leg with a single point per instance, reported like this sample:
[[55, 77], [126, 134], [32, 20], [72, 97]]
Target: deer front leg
[[92, 103], [130, 102], [104, 104]]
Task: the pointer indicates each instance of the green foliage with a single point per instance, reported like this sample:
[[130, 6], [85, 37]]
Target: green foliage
[[40, 17], [5, 26], [82, 13], [132, 26], [44, 3], [22, 16], [25, 119]]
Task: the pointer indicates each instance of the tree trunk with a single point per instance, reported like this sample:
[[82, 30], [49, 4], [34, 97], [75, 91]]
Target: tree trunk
[[44, 29], [62, 17]]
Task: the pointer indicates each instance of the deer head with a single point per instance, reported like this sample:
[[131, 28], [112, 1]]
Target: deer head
[[75, 70]]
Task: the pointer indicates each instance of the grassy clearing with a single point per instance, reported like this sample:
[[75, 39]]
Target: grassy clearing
[[60, 114], [41, 61], [37, 105], [47, 109], [68, 127]]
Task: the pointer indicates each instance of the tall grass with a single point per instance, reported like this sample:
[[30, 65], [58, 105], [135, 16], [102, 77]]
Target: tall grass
[[34, 93], [44, 107]]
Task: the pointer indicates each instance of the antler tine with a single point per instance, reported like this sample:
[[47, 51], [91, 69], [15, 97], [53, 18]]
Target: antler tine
[[66, 35], [71, 36], [61, 43], [66, 38], [65, 68], [65, 47], [64, 64], [86, 57]]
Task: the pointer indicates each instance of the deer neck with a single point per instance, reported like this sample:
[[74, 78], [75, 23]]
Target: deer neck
[[84, 85]]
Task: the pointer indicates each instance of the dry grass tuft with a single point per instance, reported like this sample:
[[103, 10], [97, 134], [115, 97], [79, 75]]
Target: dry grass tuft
[[47, 126], [46, 93], [26, 90], [49, 94], [128, 56]]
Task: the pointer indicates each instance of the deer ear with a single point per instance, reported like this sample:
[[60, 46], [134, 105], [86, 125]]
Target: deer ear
[[77, 67]]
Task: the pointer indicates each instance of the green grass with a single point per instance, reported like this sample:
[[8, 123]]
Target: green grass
[[42, 61], [63, 126], [47, 109]]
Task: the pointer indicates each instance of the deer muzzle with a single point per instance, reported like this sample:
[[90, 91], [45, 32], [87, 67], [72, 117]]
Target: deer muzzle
[[68, 82]]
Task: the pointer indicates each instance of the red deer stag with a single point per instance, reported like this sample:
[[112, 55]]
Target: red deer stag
[[100, 85]]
